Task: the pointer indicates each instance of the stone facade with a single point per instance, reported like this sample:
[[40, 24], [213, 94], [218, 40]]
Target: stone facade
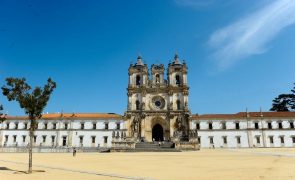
[[158, 108]]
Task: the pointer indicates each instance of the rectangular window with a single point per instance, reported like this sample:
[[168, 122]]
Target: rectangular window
[[211, 140], [6, 138], [82, 125], [118, 126], [269, 125], [271, 139], [210, 126], [224, 140], [223, 125], [105, 139], [93, 139], [293, 140], [292, 125], [44, 139], [106, 126], [237, 125], [94, 126], [52, 139], [16, 126], [238, 140], [7, 126], [198, 126], [54, 126], [35, 139], [199, 139], [64, 141], [26, 126], [81, 139], [45, 126], [280, 125], [24, 138], [66, 125], [14, 138], [258, 139], [282, 139], [256, 125]]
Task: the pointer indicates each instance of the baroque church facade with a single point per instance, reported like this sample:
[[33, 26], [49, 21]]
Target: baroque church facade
[[157, 111], [158, 107]]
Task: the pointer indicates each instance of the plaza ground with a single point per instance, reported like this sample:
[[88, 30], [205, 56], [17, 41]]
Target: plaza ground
[[205, 164]]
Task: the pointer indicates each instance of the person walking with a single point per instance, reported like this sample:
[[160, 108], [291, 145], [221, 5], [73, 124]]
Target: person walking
[[74, 152]]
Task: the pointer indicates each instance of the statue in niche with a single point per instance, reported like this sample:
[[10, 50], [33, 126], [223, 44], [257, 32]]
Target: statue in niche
[[136, 124], [179, 122]]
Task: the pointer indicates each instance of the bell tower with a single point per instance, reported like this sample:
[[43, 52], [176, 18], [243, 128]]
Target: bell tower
[[178, 87], [138, 79]]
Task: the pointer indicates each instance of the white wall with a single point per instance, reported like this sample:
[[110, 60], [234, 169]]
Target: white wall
[[73, 133], [247, 133]]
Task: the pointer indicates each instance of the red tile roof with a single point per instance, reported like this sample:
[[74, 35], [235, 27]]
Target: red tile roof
[[57, 116], [242, 115]]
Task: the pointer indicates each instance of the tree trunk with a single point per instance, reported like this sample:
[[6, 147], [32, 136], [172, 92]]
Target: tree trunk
[[31, 150]]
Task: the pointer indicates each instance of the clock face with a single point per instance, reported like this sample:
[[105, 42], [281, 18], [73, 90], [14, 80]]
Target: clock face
[[158, 103]]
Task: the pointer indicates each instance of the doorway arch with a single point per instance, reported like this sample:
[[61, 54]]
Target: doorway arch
[[158, 133]]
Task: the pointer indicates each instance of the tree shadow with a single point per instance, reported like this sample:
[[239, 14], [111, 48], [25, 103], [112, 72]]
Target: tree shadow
[[18, 171]]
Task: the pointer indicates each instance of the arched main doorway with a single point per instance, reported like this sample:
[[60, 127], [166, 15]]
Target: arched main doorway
[[158, 133]]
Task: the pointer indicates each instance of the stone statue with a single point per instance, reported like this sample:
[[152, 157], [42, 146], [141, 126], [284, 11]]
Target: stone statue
[[136, 122], [179, 122]]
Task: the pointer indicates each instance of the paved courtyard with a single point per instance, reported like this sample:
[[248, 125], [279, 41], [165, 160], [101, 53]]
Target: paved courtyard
[[205, 164]]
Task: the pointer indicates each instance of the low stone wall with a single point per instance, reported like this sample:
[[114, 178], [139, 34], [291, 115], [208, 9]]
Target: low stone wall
[[119, 146], [187, 146], [46, 150]]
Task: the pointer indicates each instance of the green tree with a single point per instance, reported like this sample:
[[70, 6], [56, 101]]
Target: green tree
[[282, 103], [33, 101], [293, 98], [2, 116]]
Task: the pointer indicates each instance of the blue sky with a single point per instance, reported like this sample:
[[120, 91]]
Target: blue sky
[[240, 53]]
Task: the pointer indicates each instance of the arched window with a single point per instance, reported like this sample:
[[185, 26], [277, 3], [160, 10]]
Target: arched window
[[137, 103], [157, 78], [138, 80], [178, 104], [177, 79]]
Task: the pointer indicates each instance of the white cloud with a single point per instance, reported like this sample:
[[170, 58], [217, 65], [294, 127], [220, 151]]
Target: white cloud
[[250, 35]]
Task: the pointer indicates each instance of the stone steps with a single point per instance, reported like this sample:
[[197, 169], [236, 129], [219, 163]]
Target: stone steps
[[155, 147], [152, 150]]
